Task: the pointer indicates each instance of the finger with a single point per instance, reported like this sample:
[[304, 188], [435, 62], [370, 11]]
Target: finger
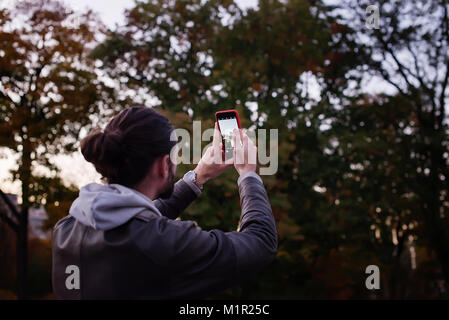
[[250, 141], [217, 138], [244, 137], [217, 145], [208, 158], [243, 141], [237, 139], [238, 152], [234, 153], [250, 149]]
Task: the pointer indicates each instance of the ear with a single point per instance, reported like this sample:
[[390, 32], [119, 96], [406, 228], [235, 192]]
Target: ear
[[163, 165]]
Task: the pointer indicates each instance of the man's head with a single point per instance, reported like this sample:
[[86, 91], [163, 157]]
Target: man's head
[[133, 149]]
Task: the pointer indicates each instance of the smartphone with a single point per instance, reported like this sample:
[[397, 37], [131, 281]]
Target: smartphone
[[228, 120]]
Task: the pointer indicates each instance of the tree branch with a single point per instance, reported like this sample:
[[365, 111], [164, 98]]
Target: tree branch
[[443, 96]]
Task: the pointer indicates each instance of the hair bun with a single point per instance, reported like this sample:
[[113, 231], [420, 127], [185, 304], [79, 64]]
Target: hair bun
[[102, 148], [112, 146]]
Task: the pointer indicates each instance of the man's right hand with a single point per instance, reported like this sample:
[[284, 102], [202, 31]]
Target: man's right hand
[[245, 153]]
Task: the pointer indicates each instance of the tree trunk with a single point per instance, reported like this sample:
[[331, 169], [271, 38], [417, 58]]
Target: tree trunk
[[22, 236], [22, 254]]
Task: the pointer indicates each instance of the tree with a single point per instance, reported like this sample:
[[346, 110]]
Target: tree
[[49, 90], [372, 193], [410, 52], [165, 51]]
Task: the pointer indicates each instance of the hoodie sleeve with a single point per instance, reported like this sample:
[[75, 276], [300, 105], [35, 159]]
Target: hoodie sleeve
[[202, 263], [183, 194], [255, 241]]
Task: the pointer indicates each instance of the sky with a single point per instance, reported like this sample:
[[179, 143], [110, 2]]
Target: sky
[[111, 11]]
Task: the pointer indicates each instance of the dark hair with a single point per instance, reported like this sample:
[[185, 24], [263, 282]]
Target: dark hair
[[129, 145]]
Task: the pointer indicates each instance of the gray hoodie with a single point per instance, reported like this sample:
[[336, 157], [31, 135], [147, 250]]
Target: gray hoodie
[[105, 207]]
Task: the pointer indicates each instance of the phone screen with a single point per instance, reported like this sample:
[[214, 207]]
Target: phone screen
[[227, 123]]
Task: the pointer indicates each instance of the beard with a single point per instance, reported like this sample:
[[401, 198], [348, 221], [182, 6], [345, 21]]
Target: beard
[[169, 186]]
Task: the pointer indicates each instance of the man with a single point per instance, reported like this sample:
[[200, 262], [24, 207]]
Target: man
[[120, 239]]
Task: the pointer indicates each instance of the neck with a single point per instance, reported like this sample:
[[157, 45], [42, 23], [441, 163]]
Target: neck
[[148, 189]]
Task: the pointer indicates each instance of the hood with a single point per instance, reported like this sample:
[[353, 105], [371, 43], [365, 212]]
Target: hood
[[104, 207]]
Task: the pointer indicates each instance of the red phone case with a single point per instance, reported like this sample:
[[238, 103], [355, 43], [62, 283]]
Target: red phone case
[[238, 122]]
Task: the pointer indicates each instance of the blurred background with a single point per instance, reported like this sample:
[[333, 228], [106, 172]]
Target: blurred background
[[360, 101]]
